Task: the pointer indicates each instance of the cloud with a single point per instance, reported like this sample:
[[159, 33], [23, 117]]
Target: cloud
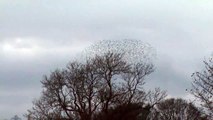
[[13, 102], [169, 77]]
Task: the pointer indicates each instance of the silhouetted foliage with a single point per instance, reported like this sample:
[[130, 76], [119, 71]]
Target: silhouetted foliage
[[132, 111], [202, 87], [104, 86], [176, 109]]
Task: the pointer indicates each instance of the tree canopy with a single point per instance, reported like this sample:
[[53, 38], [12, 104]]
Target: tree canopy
[[97, 87]]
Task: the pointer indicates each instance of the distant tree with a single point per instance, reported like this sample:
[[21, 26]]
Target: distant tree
[[202, 87], [15, 118], [102, 86], [176, 109]]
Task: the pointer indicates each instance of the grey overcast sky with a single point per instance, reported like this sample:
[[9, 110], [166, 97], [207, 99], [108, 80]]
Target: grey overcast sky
[[38, 36]]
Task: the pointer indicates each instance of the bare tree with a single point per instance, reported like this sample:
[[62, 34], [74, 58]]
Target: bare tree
[[43, 110], [202, 87], [156, 96], [97, 86]]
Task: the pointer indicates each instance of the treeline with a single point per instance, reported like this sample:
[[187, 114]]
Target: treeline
[[107, 87]]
